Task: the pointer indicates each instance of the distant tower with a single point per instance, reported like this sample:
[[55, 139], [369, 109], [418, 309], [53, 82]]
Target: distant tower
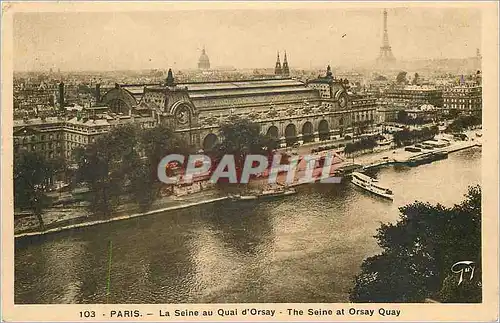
[[170, 78], [286, 70], [277, 69], [329, 73], [61, 95], [386, 55], [204, 61]]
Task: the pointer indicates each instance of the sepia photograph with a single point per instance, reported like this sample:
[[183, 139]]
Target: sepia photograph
[[249, 155]]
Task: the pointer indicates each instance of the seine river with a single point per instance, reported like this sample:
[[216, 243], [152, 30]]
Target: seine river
[[305, 248]]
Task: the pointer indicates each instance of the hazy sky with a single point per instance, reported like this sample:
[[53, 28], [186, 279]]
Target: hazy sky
[[239, 38]]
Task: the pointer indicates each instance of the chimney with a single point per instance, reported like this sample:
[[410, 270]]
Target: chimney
[[61, 95], [97, 93]]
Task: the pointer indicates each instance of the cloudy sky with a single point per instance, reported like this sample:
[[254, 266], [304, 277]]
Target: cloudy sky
[[239, 38]]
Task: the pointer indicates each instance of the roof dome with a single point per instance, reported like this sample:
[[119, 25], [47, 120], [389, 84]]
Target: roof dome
[[204, 61]]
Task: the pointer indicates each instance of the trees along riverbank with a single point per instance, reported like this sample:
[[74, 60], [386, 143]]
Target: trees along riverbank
[[119, 166], [33, 176], [364, 144], [122, 164], [419, 252], [463, 123], [408, 137], [240, 138]]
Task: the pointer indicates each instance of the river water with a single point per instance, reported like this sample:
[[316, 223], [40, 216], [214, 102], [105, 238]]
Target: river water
[[304, 248]]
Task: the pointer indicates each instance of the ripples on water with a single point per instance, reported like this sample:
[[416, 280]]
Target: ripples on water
[[305, 248]]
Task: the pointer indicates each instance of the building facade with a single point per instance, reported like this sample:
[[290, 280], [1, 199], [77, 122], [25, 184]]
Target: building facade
[[465, 98], [414, 95], [59, 137], [287, 110], [44, 135]]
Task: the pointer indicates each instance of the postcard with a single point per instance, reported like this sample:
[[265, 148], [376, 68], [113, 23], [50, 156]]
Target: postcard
[[249, 161]]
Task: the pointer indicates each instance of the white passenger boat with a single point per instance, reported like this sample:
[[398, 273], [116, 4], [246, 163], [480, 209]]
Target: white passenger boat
[[277, 192], [369, 184]]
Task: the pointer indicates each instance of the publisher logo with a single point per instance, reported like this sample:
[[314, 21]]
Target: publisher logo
[[464, 268]]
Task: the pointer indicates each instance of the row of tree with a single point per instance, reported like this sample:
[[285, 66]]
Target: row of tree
[[33, 177], [365, 144], [404, 118], [401, 78], [419, 252], [122, 162], [408, 137], [463, 122], [122, 165], [240, 138]]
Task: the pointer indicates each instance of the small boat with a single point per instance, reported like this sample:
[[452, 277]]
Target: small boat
[[369, 184], [413, 149], [427, 158], [242, 197], [247, 197], [277, 192]]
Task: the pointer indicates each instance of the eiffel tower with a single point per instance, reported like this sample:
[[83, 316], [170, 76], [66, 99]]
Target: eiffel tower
[[386, 55]]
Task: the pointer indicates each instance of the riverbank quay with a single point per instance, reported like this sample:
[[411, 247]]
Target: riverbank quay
[[378, 159], [66, 218], [127, 211]]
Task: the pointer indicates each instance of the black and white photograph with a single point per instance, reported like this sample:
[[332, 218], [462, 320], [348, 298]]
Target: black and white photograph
[[249, 155]]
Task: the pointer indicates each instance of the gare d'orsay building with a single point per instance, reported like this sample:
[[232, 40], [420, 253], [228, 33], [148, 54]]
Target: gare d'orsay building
[[287, 110]]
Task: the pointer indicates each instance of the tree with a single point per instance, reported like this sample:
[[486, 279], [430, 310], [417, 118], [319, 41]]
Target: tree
[[402, 116], [463, 122], [32, 175], [60, 169], [240, 138], [419, 251], [406, 137], [360, 145], [402, 137], [415, 79], [155, 143], [453, 113], [105, 166], [144, 186], [468, 291], [434, 131], [401, 78], [124, 162]]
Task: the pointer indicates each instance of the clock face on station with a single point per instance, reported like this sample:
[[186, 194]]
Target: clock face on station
[[182, 115], [343, 100]]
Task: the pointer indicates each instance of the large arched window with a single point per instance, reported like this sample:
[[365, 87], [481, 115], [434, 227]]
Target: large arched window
[[324, 130]]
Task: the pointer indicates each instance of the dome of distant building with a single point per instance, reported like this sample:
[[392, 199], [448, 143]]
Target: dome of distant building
[[204, 61]]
